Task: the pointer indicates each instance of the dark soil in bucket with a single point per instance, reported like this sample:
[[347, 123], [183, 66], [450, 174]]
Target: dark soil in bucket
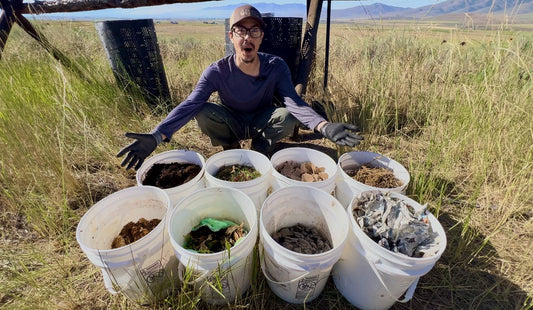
[[168, 175], [212, 235], [306, 172], [302, 239], [132, 232], [373, 176], [237, 173]]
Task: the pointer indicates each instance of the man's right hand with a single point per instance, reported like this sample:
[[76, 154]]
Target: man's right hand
[[143, 146]]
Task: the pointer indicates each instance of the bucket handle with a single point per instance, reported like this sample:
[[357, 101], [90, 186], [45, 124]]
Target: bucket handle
[[108, 283], [372, 261], [265, 273]]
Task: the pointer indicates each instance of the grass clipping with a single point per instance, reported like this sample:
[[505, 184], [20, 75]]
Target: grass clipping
[[374, 176]]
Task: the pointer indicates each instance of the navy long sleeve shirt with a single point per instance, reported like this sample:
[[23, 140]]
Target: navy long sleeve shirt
[[242, 92]]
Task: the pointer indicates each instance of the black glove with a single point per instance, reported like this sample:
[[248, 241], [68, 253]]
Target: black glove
[[342, 134], [140, 149]]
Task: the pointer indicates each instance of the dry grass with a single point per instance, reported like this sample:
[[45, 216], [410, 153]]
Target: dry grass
[[457, 116]]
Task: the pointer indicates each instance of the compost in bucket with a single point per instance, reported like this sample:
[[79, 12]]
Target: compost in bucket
[[168, 175], [145, 270], [373, 176], [214, 235], [369, 275], [134, 231], [394, 224], [249, 171], [302, 239], [306, 171], [222, 276], [237, 173], [300, 277]]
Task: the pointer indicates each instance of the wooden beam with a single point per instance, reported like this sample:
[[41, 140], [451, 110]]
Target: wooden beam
[[63, 6], [7, 19]]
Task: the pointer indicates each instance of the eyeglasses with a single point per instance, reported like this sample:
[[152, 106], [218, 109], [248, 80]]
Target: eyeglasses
[[254, 32]]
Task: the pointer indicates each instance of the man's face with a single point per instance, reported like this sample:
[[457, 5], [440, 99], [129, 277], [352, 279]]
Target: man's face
[[245, 45]]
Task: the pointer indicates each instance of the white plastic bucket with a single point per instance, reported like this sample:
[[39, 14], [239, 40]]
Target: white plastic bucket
[[233, 268], [257, 188], [292, 276], [372, 277], [302, 155], [348, 187], [145, 270], [176, 156]]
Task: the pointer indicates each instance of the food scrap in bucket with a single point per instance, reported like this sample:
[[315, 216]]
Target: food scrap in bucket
[[373, 176], [306, 171], [302, 239], [168, 175], [237, 173], [132, 232], [214, 235], [395, 225]]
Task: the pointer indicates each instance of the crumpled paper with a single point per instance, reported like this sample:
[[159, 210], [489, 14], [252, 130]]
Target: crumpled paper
[[395, 225]]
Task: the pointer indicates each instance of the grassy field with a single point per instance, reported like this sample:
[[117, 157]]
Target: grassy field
[[452, 105]]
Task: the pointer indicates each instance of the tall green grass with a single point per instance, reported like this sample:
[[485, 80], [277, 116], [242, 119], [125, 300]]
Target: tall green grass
[[457, 116]]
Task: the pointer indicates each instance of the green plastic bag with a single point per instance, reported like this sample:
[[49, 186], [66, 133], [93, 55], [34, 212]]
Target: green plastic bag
[[213, 224]]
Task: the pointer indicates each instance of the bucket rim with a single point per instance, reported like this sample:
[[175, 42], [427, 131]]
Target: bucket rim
[[163, 157], [106, 199], [261, 157], [331, 178], [300, 148], [354, 227], [403, 171]]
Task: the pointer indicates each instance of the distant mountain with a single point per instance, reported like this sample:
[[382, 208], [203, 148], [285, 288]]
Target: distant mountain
[[473, 7], [379, 10], [367, 11]]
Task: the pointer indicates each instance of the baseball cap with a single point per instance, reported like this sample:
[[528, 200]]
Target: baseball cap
[[246, 11]]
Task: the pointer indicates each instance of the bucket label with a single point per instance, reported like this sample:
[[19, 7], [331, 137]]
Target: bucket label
[[153, 272], [306, 286]]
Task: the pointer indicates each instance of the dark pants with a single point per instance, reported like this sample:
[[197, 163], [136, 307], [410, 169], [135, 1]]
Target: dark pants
[[265, 127]]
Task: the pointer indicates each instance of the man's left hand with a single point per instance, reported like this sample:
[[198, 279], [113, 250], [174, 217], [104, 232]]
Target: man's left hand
[[341, 133]]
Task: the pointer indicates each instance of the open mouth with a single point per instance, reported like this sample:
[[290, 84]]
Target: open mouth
[[248, 49]]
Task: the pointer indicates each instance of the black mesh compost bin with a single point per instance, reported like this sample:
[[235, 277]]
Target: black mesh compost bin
[[282, 38], [132, 49]]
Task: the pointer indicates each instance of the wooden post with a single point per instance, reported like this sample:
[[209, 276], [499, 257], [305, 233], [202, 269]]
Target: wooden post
[[326, 56], [28, 27], [307, 52]]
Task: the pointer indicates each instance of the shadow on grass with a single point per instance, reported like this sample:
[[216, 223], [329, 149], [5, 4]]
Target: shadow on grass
[[466, 277]]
